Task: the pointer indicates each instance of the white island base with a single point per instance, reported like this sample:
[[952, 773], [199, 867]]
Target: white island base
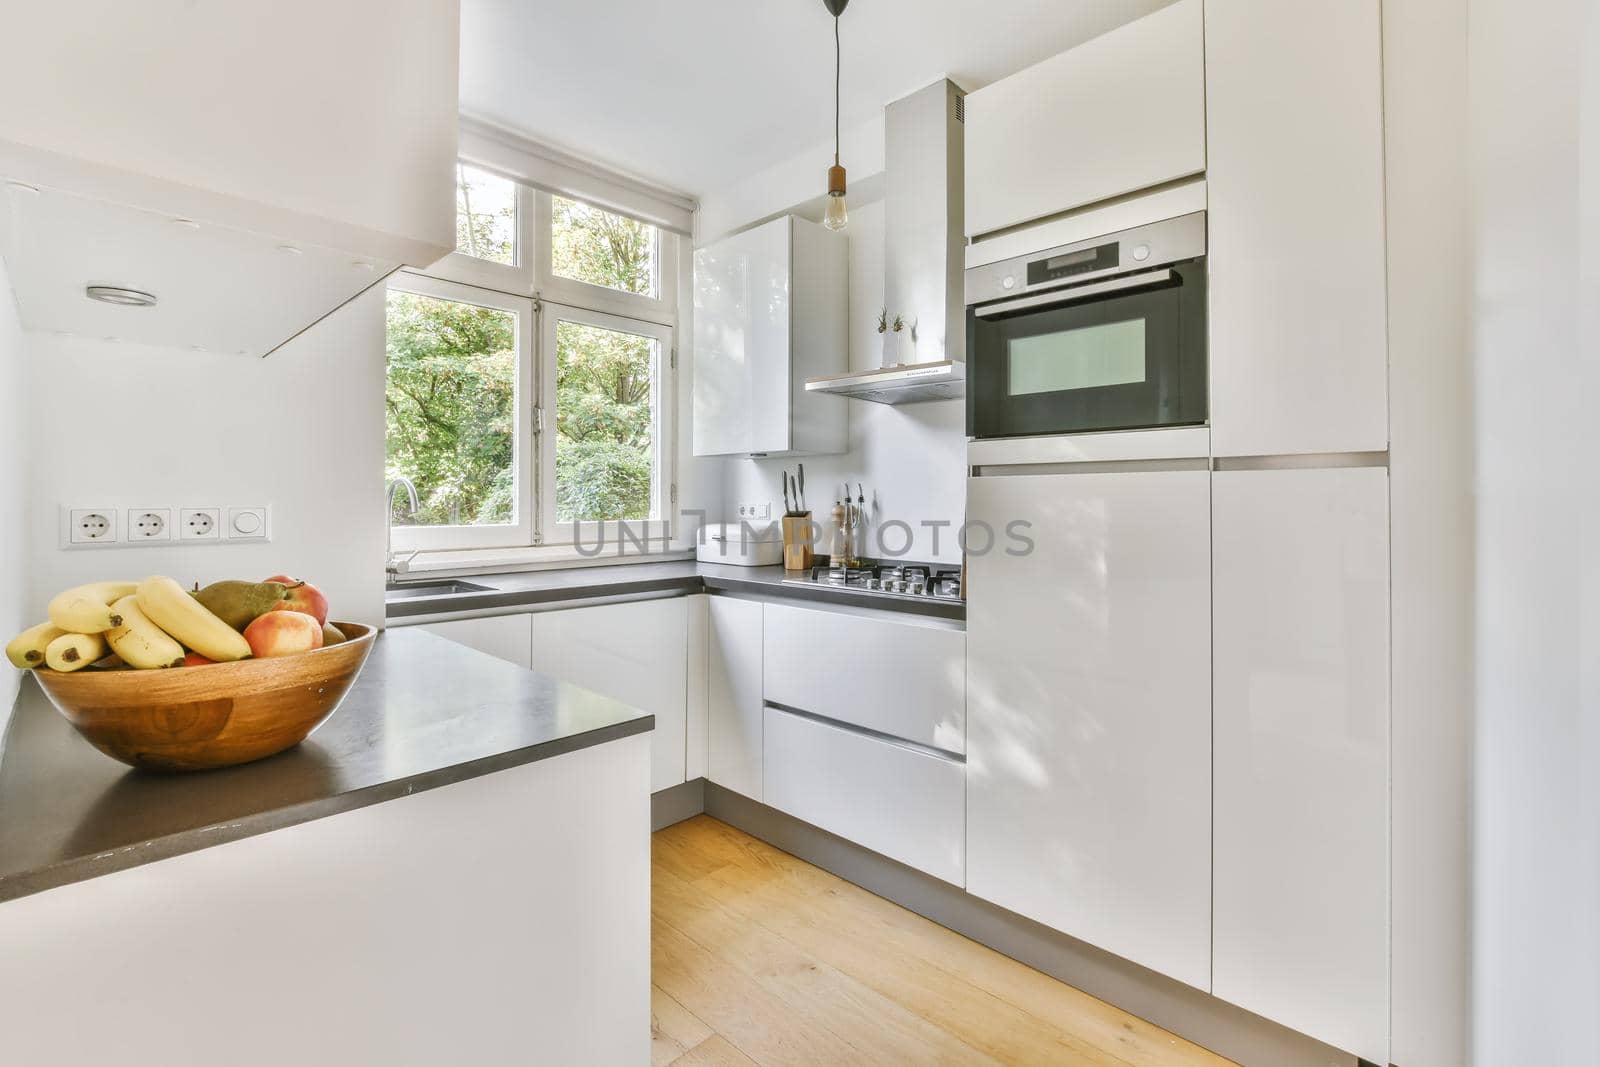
[[501, 919]]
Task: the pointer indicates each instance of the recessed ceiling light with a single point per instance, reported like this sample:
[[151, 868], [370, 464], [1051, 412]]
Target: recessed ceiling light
[[112, 294], [23, 187], [361, 264], [289, 249]]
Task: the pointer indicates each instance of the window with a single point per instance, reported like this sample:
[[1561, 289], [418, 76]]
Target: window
[[596, 247], [609, 463], [486, 215], [459, 364], [530, 383]]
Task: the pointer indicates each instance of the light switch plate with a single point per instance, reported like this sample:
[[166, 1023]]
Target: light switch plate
[[247, 522]]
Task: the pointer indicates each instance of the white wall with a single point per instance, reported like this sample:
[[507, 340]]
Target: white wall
[[1535, 143], [301, 430], [911, 458], [13, 472], [1431, 519]]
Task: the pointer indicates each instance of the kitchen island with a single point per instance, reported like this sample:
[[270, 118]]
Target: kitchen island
[[454, 867]]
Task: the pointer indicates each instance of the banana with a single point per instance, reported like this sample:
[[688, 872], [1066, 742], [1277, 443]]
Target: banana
[[191, 622], [140, 642], [27, 648], [86, 609], [71, 652]]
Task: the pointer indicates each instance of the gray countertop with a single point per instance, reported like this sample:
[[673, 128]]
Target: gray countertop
[[532, 588], [425, 712]]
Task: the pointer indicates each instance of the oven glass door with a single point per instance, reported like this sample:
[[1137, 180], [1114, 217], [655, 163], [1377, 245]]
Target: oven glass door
[[1127, 359]]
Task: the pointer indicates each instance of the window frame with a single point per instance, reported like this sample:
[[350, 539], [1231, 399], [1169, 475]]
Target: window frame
[[526, 400], [538, 296], [660, 309], [611, 532], [512, 278]]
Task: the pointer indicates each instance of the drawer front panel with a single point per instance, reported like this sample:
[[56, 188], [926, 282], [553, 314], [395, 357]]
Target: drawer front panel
[[906, 804], [903, 679]]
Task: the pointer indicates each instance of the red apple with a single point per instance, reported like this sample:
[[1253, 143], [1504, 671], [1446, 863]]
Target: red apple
[[195, 659], [283, 633], [302, 596]]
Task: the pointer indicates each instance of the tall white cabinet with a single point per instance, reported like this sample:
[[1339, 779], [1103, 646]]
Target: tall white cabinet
[[1294, 181], [770, 308], [1088, 711], [1301, 632]]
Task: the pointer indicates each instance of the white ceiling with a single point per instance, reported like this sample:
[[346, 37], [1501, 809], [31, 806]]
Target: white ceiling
[[696, 94]]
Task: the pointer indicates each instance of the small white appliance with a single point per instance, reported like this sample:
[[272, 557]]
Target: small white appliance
[[741, 544]]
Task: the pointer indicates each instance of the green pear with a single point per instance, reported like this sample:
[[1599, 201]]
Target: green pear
[[240, 603]]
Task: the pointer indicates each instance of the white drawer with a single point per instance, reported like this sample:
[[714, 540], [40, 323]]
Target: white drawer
[[907, 804], [905, 679]]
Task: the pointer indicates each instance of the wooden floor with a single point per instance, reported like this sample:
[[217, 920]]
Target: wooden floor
[[761, 958]]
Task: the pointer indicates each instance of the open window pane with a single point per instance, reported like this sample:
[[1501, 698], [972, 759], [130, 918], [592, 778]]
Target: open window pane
[[595, 246], [486, 215], [606, 423], [451, 401]]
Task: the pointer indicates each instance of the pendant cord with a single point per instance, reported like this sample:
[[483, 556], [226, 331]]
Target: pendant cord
[[836, 65]]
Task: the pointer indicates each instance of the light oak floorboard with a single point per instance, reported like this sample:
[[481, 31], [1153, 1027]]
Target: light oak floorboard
[[851, 967], [674, 1029], [715, 1051]]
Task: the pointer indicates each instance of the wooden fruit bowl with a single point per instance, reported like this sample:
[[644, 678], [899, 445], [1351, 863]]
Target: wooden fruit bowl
[[214, 715]]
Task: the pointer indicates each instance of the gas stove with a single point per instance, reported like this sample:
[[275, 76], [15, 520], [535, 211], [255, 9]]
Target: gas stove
[[917, 581]]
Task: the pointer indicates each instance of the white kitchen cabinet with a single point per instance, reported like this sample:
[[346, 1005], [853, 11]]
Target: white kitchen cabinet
[[1114, 115], [635, 652], [506, 636], [769, 312], [1302, 751], [211, 153], [734, 694], [902, 802], [1294, 111], [905, 677], [1089, 711]]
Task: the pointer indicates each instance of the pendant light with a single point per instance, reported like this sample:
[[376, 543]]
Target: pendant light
[[837, 215]]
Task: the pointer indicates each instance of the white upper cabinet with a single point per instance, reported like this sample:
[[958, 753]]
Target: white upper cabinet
[[1117, 114], [1294, 176], [1301, 849], [769, 312], [252, 166]]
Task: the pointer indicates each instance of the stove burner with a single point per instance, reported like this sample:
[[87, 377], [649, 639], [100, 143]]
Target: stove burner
[[887, 579]]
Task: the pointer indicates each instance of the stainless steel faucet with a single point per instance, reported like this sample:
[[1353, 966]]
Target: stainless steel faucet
[[393, 567]]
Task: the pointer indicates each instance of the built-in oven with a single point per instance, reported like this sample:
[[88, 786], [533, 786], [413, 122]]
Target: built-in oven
[[1103, 334]]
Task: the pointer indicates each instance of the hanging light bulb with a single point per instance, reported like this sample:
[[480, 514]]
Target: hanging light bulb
[[837, 216]]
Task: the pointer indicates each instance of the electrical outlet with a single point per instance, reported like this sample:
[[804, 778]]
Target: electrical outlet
[[145, 525], [249, 522], [755, 511], [88, 526], [200, 524]]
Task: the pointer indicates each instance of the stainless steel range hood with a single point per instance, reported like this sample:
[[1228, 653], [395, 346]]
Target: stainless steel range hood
[[924, 214], [904, 383]]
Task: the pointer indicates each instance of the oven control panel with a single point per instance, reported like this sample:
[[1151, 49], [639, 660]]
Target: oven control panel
[[1139, 248]]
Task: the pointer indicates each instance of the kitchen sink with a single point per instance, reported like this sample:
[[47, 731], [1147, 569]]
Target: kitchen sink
[[426, 589]]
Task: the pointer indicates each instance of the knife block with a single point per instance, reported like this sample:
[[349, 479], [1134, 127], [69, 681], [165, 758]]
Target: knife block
[[799, 535]]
